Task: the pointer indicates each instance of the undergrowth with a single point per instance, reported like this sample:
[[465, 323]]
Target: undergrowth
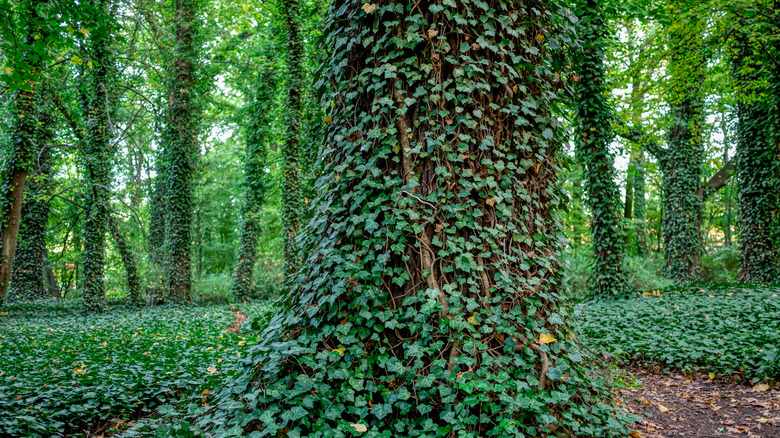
[[63, 373], [726, 330]]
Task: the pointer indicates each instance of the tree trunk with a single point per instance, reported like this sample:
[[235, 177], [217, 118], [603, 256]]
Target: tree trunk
[[594, 136], [98, 157], [129, 262], [727, 214], [681, 165], [292, 179], [756, 170], [27, 273], [256, 181], [181, 142], [434, 281], [24, 132]]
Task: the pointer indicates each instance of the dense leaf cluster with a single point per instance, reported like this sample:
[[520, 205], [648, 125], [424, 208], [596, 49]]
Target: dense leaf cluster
[[62, 373], [726, 330]]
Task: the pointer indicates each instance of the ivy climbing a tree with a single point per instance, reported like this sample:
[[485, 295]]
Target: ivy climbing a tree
[[436, 276], [97, 106], [594, 135], [256, 180], [27, 274], [25, 130], [292, 178], [757, 164], [180, 139]]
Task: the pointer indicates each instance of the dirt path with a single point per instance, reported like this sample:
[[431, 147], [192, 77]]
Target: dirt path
[[240, 318], [674, 406]]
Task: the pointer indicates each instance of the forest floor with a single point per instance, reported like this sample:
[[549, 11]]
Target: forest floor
[[675, 406]]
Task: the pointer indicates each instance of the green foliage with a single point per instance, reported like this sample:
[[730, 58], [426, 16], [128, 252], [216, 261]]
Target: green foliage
[[725, 330], [641, 274], [61, 372], [594, 135], [721, 265]]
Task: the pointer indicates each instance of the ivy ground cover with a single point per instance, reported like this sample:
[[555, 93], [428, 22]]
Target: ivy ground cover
[[64, 372], [723, 330]]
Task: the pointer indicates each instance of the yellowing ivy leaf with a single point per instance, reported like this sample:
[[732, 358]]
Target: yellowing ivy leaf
[[712, 376], [369, 7], [329, 120], [9, 70], [340, 350], [212, 370], [539, 37], [84, 32], [472, 319], [546, 339], [360, 428]]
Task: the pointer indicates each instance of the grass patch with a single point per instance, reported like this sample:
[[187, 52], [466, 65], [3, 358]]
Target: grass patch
[[62, 372], [719, 329]]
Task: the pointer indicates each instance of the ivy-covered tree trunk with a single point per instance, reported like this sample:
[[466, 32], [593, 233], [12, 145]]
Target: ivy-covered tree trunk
[[681, 164], [157, 215], [594, 135], [640, 205], [97, 155], [128, 261], [757, 170], [256, 183], [181, 142], [429, 304], [27, 275], [24, 133], [292, 178]]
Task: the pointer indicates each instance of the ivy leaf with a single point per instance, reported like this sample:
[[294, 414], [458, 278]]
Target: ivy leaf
[[546, 339], [369, 7]]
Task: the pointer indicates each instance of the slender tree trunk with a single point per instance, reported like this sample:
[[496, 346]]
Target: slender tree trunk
[[129, 262], [181, 142], [594, 137], [98, 157], [434, 281], [292, 179], [727, 215], [27, 274], [24, 132], [256, 183]]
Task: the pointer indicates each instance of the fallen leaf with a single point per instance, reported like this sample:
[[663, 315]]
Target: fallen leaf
[[546, 339], [432, 33], [212, 370], [712, 376], [368, 8], [662, 408], [360, 428], [329, 120], [490, 201], [539, 37], [761, 387]]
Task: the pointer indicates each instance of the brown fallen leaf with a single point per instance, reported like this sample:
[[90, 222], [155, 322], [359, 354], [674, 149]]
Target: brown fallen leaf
[[761, 387], [662, 408]]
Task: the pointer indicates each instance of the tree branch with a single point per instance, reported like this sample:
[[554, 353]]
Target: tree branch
[[637, 134], [720, 179]]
